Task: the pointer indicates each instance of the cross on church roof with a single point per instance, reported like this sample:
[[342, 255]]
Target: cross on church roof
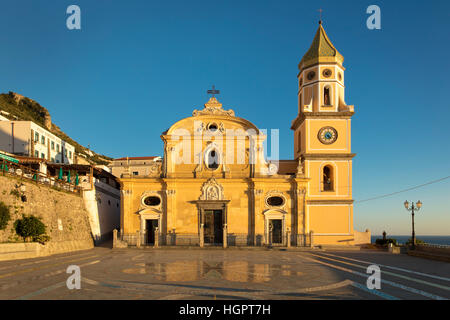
[[320, 15], [213, 91]]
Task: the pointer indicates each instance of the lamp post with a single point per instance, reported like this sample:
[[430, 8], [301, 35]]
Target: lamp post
[[413, 208]]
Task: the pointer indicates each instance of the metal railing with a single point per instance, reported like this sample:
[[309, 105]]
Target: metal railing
[[443, 246], [8, 168]]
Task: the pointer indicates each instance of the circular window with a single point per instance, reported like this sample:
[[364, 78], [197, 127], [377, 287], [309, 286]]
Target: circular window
[[275, 201], [213, 127], [311, 75], [340, 76], [152, 201], [301, 82], [327, 73], [212, 160]]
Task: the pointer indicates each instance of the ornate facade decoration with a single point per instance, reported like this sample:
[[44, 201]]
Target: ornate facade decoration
[[171, 192], [150, 193], [213, 107], [211, 190], [300, 171], [155, 169], [274, 194]]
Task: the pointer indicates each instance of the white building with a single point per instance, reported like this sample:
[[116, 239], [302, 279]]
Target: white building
[[29, 139], [101, 194]]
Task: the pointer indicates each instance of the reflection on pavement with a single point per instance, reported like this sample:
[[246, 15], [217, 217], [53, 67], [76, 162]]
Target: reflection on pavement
[[236, 271]]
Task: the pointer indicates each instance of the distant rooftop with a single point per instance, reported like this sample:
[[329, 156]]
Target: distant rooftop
[[137, 158]]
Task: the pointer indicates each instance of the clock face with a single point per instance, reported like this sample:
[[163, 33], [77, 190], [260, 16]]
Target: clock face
[[327, 73], [327, 135]]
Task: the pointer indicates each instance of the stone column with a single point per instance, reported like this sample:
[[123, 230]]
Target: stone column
[[258, 219], [156, 237], [225, 233], [301, 220], [114, 238], [138, 239], [202, 237], [270, 235], [311, 239], [288, 238]]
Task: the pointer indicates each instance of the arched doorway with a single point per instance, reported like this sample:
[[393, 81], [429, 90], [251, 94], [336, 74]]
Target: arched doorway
[[275, 227]]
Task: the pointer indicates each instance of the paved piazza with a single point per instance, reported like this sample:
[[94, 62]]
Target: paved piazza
[[177, 274]]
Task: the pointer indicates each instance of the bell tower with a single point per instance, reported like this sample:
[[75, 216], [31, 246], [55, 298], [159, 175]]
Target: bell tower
[[322, 141]]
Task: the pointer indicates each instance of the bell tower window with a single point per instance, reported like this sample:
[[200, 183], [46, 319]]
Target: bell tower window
[[326, 96], [328, 179]]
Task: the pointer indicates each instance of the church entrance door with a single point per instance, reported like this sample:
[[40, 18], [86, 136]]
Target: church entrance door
[[151, 225], [213, 227], [277, 231]]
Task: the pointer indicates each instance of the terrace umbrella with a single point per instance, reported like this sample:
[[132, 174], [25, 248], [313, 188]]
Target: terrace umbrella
[[68, 176], [60, 176], [77, 179]]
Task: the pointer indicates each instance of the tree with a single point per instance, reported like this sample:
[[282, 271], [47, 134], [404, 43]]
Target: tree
[[30, 227], [4, 216]]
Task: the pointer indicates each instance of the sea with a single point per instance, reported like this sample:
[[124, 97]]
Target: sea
[[442, 240]]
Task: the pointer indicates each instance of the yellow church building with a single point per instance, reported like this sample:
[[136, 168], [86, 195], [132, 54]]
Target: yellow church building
[[214, 186]]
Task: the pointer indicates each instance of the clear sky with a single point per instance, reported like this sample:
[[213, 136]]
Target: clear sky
[[136, 67]]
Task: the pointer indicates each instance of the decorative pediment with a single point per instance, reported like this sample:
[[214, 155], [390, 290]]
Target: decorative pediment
[[213, 107], [212, 190]]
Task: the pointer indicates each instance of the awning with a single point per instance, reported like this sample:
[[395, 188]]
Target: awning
[[4, 156]]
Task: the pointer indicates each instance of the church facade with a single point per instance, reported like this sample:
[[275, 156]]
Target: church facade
[[214, 186]]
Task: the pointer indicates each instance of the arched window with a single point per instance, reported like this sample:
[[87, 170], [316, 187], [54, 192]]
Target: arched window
[[212, 159], [299, 142], [327, 96], [328, 178]]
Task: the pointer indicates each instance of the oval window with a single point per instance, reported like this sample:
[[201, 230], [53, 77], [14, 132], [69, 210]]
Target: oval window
[[213, 127], [311, 75], [152, 201], [275, 201]]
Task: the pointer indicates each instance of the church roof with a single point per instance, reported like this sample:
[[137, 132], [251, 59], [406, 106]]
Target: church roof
[[321, 50]]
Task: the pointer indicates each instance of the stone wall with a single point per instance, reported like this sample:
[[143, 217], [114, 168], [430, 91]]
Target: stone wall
[[362, 237], [63, 214], [441, 253]]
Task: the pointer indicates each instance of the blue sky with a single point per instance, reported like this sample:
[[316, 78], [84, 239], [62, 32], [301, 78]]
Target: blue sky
[[136, 67]]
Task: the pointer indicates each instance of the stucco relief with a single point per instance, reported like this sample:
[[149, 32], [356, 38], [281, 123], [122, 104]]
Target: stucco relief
[[212, 190], [300, 171], [155, 169], [213, 107]]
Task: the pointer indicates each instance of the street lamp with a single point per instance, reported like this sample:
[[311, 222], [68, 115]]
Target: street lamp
[[413, 208]]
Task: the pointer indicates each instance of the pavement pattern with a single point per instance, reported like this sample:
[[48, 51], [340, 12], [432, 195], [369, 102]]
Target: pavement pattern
[[215, 274]]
